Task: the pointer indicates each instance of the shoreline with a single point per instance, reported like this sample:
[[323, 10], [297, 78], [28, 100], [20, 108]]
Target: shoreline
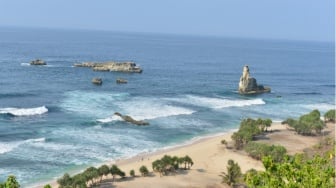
[[210, 158], [126, 160]]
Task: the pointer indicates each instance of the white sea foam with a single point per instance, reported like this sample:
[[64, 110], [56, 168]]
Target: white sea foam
[[147, 108], [9, 146], [110, 119], [24, 111], [217, 103], [35, 140], [25, 64], [103, 105], [320, 106]]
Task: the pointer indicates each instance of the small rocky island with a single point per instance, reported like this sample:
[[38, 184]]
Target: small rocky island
[[112, 66], [130, 119], [248, 85], [97, 81], [38, 62], [121, 81]]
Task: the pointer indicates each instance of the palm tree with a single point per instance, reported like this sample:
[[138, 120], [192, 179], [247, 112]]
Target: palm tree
[[233, 173], [91, 174], [114, 171], [103, 171]]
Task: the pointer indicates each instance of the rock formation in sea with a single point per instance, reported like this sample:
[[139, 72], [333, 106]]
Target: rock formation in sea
[[38, 62], [112, 66], [248, 85], [97, 81], [121, 81], [130, 119]]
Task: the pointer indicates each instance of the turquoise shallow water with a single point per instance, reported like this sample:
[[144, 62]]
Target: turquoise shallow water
[[53, 120]]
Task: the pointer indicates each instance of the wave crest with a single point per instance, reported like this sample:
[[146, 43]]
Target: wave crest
[[24, 111], [217, 103]]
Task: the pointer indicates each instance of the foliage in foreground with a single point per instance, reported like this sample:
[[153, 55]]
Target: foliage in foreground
[[11, 182], [259, 150], [294, 172], [307, 124], [233, 174], [249, 128]]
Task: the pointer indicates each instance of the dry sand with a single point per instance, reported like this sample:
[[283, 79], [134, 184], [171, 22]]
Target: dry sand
[[210, 159]]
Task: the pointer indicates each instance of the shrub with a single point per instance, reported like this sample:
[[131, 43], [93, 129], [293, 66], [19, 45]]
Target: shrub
[[144, 171], [132, 173], [47, 186], [330, 116], [307, 124], [259, 150]]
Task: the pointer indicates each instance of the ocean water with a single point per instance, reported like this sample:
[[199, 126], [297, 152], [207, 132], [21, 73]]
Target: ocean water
[[53, 120]]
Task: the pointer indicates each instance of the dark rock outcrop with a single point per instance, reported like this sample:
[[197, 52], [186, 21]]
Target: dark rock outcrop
[[248, 85], [121, 81], [97, 81], [112, 66], [131, 120], [38, 62]]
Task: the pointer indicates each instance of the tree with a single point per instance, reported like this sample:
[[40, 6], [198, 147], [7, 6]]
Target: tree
[[143, 170], [188, 162], [103, 170], [91, 174], [79, 181], [330, 116], [64, 181], [114, 171], [307, 123], [233, 174], [12, 182], [47, 186], [132, 173]]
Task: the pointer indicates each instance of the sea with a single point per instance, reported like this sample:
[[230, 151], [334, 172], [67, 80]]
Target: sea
[[54, 120]]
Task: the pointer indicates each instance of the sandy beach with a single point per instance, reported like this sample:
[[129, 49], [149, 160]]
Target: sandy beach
[[210, 158]]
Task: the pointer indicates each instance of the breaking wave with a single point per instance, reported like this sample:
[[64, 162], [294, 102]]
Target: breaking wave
[[24, 111], [217, 103]]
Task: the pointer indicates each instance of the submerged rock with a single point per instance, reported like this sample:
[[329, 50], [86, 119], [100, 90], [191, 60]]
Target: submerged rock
[[121, 81], [131, 120], [38, 62], [97, 81], [112, 66], [248, 85]]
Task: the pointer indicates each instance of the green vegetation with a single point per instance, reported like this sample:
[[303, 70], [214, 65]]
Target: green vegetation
[[233, 174], [294, 172], [47, 186], [330, 116], [103, 170], [249, 128], [11, 182], [132, 173], [307, 124], [89, 177], [259, 150], [168, 164], [116, 171], [143, 170]]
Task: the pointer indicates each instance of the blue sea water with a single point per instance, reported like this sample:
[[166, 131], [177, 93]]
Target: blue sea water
[[53, 120]]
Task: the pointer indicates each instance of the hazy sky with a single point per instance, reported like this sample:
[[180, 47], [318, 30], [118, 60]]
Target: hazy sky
[[286, 19]]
